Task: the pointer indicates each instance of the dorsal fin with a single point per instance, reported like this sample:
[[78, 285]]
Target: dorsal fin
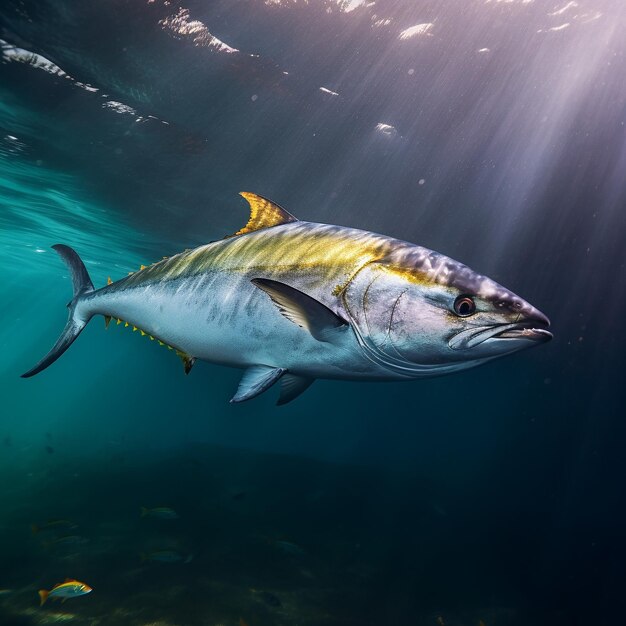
[[263, 214]]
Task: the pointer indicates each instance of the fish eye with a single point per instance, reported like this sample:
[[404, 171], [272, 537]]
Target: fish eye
[[464, 306]]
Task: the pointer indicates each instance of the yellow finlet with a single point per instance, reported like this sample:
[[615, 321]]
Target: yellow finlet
[[142, 267], [119, 322], [109, 281], [126, 324], [107, 321], [263, 214]]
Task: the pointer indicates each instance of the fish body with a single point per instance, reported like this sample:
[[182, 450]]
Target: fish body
[[160, 512], [63, 591], [67, 540], [270, 599], [166, 556], [53, 525], [289, 548], [294, 301]]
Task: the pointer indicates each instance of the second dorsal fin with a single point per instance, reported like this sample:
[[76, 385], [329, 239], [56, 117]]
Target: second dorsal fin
[[263, 214]]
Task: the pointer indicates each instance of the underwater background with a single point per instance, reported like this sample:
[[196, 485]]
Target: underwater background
[[492, 131]]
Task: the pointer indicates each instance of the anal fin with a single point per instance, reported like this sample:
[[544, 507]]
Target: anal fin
[[188, 362], [256, 380], [291, 386]]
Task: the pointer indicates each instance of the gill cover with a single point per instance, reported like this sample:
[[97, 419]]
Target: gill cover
[[370, 300], [397, 322]]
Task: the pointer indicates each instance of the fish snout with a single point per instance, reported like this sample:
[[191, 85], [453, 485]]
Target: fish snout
[[531, 324], [536, 316], [535, 324], [524, 316]]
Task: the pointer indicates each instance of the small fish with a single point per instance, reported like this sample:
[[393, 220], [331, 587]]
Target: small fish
[[53, 524], [63, 591], [5, 592], [240, 495], [166, 556], [162, 512], [268, 597], [289, 548], [67, 540], [242, 622], [49, 449], [440, 621], [7, 441]]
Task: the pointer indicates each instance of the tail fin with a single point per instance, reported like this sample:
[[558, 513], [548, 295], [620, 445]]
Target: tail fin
[[82, 285], [43, 596]]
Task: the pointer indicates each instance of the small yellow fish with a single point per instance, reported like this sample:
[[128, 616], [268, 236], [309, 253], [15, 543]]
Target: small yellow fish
[[69, 589]]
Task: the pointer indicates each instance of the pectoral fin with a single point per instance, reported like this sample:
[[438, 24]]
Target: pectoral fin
[[256, 380], [301, 309], [291, 386]]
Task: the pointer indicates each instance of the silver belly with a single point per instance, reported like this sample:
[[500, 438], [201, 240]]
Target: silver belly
[[225, 319]]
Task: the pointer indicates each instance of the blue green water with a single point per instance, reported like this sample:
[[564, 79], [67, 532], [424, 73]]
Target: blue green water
[[493, 133]]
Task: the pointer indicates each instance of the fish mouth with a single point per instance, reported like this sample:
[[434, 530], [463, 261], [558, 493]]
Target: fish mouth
[[533, 330]]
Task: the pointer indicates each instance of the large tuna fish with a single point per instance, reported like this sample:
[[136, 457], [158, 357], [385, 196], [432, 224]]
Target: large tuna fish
[[295, 301]]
